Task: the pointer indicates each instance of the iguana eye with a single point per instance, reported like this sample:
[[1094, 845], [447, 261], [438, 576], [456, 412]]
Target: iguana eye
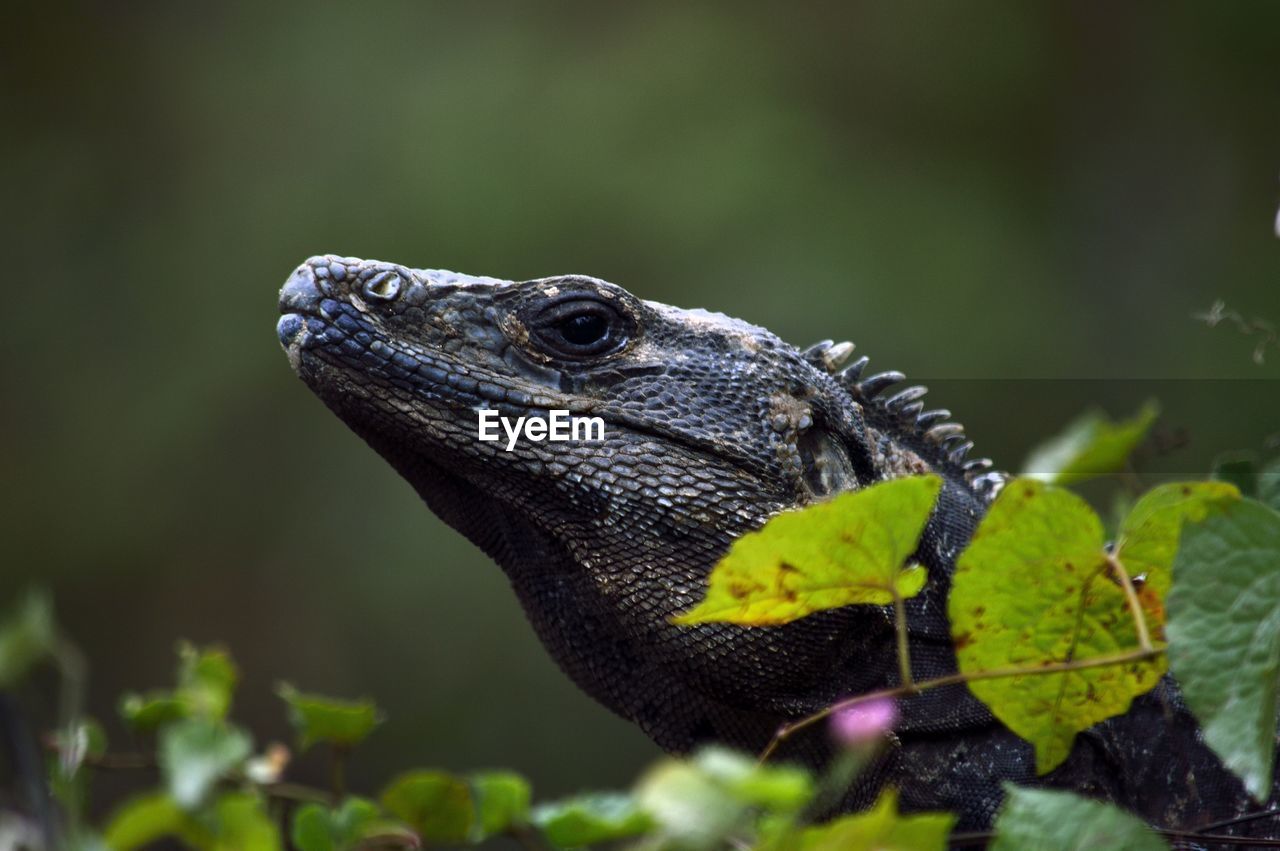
[[583, 329], [580, 328]]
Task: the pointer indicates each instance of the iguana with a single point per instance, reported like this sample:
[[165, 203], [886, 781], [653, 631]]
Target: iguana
[[711, 426]]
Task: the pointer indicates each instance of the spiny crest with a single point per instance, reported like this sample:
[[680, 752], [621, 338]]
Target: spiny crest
[[941, 442]]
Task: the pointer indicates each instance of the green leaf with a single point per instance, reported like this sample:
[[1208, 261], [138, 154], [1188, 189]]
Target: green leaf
[[1269, 485], [149, 818], [779, 788], [1224, 635], [206, 680], [146, 712], [588, 819], [242, 824], [319, 828], [690, 809], [699, 803], [1239, 469], [195, 753], [341, 723], [501, 800], [881, 829], [1048, 820], [1089, 446], [27, 637], [435, 804], [1033, 589], [312, 830], [81, 840], [847, 550], [1148, 537]]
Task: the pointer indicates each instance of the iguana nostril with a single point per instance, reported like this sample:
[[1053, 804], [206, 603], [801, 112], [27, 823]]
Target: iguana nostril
[[301, 292], [384, 286]]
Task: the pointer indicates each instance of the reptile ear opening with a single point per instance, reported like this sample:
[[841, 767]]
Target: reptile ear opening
[[826, 463]]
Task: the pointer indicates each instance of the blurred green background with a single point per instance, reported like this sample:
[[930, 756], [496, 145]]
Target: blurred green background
[[979, 193]]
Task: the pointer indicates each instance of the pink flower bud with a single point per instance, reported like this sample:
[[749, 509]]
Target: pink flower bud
[[865, 722]]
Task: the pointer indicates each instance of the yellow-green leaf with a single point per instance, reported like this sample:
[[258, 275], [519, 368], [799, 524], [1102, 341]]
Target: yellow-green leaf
[[206, 679], [1090, 446], [881, 829], [501, 800], [1149, 535], [850, 549], [1034, 588], [146, 819], [242, 824]]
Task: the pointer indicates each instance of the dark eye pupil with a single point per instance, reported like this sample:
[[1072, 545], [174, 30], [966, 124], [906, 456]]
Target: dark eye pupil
[[584, 328]]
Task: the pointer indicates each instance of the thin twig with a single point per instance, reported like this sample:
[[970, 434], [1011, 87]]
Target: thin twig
[[295, 792], [787, 730], [1268, 336], [1247, 817], [106, 761], [982, 837], [1220, 838]]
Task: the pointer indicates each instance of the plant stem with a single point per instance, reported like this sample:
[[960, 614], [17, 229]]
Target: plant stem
[[1135, 605], [904, 651], [338, 771], [788, 730]]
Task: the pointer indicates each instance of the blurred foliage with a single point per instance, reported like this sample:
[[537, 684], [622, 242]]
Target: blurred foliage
[[1091, 445], [341, 723], [976, 192], [1089, 618]]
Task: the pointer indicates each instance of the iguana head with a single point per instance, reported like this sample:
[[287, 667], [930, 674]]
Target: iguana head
[[409, 357], [710, 426]]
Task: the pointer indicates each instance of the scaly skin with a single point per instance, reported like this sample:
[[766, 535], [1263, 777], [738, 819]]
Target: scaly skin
[[712, 426]]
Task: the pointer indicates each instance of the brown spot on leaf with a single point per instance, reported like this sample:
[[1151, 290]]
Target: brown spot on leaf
[[787, 567]]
